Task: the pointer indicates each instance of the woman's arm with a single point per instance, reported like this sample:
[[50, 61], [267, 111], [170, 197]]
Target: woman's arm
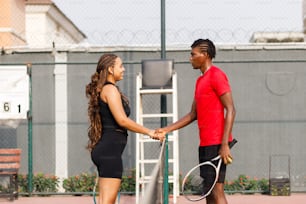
[[112, 97]]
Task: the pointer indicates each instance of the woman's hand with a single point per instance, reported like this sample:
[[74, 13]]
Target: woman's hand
[[156, 135], [160, 133]]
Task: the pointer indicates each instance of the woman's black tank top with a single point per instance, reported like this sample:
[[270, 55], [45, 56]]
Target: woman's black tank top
[[108, 120]]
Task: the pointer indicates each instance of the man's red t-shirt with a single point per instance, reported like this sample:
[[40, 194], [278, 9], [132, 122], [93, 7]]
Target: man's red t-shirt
[[210, 111]]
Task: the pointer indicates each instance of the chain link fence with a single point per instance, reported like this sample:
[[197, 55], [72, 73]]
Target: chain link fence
[[135, 22], [269, 93]]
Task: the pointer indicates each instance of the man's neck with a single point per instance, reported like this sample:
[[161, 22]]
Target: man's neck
[[206, 67]]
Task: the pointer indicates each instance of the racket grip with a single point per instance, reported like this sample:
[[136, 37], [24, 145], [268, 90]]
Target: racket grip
[[233, 143]]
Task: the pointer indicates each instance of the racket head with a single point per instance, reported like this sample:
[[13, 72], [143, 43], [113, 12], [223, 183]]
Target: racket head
[[197, 186]]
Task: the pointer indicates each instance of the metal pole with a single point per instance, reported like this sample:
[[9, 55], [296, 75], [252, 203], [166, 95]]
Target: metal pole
[[164, 99], [163, 109], [166, 174], [163, 29], [30, 140]]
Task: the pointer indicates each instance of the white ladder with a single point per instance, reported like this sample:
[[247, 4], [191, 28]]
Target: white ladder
[[142, 176]]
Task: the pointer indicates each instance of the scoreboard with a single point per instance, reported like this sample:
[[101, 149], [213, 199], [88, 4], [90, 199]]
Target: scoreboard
[[14, 92]]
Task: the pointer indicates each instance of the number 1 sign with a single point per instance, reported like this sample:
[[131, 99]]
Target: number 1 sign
[[14, 92]]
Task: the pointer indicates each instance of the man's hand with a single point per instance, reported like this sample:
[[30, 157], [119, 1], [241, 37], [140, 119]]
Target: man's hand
[[156, 135], [225, 154], [160, 133]]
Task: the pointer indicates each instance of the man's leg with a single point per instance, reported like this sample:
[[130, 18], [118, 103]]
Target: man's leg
[[217, 195]]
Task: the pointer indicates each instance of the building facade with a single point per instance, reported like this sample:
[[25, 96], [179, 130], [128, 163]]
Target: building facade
[[36, 24], [12, 23]]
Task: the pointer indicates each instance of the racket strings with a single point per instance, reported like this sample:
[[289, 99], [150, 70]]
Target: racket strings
[[199, 184], [208, 173], [200, 180]]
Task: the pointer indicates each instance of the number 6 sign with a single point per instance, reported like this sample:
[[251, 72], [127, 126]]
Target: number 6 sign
[[14, 92]]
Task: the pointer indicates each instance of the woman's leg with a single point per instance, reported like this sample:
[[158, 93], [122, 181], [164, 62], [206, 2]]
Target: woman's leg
[[108, 190]]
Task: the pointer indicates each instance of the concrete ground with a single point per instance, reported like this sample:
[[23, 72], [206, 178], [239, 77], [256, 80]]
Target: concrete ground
[[294, 198]]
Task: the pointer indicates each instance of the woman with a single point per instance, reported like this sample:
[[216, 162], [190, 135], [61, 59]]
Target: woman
[[108, 111]]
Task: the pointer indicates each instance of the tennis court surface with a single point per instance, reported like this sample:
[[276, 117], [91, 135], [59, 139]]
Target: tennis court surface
[[296, 198]]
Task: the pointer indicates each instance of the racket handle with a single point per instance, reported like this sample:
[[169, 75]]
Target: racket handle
[[233, 143]]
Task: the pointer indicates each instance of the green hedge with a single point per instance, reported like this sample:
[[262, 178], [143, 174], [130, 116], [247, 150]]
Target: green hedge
[[85, 182]]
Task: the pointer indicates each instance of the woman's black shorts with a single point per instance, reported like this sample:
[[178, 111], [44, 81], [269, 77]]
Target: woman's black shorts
[[106, 155]]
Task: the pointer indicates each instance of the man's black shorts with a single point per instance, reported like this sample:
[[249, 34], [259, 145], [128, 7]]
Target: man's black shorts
[[207, 153]]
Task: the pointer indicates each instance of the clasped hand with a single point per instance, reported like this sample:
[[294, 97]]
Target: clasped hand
[[157, 134]]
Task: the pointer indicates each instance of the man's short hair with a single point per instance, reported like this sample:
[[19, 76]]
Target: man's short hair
[[205, 45]]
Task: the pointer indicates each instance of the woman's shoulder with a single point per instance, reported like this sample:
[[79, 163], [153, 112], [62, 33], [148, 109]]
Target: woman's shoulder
[[110, 86], [109, 91]]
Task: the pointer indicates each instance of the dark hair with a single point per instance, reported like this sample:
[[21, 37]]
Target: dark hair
[[93, 90], [205, 45]]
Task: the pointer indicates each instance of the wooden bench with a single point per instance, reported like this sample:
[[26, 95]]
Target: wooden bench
[[9, 166]]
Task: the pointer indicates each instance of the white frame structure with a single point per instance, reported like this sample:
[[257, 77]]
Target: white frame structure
[[141, 176]]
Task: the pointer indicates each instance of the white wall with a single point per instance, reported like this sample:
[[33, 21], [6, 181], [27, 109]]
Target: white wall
[[45, 24]]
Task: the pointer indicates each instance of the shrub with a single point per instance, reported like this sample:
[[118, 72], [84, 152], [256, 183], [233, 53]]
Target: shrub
[[128, 183], [85, 182], [245, 184], [80, 183], [40, 183]]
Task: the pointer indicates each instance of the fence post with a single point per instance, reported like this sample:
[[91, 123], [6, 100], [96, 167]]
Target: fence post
[[30, 139]]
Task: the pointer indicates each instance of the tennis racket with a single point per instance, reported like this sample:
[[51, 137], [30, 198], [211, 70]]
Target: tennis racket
[[195, 186]]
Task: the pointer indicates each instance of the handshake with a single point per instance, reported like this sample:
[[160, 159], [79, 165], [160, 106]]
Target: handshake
[[157, 134]]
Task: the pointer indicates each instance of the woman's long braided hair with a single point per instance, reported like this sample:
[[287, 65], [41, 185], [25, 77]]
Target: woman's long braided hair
[[93, 90]]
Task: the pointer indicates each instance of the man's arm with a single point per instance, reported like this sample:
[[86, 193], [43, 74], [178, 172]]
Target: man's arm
[[227, 101], [182, 122]]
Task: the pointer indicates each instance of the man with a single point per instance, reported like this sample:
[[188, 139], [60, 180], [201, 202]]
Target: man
[[212, 97]]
